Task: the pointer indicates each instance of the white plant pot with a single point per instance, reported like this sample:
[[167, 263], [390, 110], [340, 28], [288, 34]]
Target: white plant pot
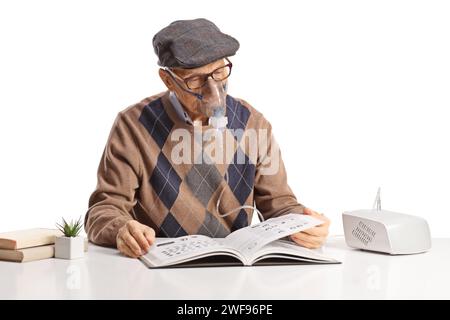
[[69, 247]]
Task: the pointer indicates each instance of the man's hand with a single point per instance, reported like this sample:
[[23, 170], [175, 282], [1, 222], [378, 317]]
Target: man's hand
[[315, 237], [134, 239]]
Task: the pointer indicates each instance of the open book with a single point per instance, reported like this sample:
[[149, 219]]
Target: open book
[[257, 244]]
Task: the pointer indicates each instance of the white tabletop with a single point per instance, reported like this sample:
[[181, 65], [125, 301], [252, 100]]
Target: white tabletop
[[105, 274]]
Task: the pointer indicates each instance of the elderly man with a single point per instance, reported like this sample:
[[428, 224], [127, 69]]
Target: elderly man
[[150, 183]]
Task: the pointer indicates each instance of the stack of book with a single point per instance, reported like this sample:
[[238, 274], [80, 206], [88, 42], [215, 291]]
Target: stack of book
[[28, 245]]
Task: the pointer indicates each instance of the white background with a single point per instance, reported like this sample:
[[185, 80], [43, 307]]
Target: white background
[[357, 93]]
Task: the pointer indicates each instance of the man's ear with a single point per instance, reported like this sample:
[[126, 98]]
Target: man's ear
[[166, 79]]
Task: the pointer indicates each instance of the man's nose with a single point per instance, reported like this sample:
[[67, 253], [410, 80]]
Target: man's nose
[[209, 83], [210, 88]]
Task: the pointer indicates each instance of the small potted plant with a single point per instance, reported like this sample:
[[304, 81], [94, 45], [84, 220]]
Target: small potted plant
[[70, 245]]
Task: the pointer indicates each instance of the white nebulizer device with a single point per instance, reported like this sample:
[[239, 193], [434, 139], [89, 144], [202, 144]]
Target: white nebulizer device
[[386, 231]]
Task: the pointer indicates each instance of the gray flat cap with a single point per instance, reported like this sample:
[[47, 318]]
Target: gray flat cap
[[192, 43]]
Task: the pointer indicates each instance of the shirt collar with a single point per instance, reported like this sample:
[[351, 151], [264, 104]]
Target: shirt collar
[[182, 114]]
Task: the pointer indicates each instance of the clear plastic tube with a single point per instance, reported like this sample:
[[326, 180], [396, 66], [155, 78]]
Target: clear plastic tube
[[261, 217]]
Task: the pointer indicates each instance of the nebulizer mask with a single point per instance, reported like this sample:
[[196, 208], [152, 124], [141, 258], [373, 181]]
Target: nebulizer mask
[[210, 102]]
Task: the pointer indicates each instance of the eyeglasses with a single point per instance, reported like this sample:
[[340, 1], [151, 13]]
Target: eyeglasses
[[197, 81]]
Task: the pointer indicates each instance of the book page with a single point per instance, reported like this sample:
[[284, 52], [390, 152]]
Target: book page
[[282, 248], [177, 250], [250, 239]]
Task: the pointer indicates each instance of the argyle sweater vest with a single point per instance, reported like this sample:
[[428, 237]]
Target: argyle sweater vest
[[141, 177]]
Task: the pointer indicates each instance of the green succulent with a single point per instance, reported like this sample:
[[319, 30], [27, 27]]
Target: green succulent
[[71, 229]]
